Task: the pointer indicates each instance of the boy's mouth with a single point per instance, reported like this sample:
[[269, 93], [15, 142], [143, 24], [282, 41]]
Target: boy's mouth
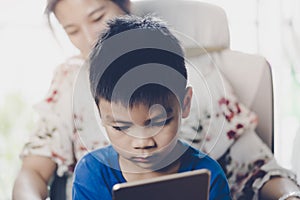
[[143, 159]]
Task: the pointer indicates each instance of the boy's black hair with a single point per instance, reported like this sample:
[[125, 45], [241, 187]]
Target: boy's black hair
[[137, 60]]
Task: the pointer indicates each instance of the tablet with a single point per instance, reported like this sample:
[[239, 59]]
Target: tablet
[[192, 185]]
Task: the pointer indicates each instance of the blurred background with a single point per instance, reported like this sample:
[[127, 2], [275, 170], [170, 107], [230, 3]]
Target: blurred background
[[29, 54]]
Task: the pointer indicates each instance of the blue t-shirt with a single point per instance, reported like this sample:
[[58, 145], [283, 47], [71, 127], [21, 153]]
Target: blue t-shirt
[[97, 172]]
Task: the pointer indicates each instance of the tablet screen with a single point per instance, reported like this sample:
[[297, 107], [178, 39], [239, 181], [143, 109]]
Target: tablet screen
[[192, 185]]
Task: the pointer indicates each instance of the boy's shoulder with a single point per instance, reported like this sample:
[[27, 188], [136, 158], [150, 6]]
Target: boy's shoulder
[[106, 156], [196, 159], [193, 153]]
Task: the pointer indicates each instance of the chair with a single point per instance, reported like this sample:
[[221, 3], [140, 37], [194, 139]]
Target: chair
[[249, 75], [58, 187]]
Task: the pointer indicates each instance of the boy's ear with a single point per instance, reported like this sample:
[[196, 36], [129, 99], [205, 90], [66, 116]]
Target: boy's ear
[[186, 106]]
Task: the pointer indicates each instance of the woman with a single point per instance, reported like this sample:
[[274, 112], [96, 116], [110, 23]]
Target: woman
[[53, 146], [67, 129]]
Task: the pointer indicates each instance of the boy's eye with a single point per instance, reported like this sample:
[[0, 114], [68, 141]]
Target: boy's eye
[[121, 128], [162, 123]]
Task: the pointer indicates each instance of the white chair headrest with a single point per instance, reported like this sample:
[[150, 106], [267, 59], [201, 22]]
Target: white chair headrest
[[212, 31]]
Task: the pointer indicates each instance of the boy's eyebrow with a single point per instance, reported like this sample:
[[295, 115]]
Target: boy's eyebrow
[[158, 117], [122, 122], [112, 120], [161, 115]]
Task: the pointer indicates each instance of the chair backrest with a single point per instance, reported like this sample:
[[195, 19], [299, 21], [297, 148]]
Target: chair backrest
[[249, 75]]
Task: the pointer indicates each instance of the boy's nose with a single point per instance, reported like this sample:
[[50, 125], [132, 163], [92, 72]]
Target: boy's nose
[[143, 143]]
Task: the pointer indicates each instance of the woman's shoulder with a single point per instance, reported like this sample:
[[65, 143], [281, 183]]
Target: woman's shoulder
[[74, 60], [65, 73], [70, 66]]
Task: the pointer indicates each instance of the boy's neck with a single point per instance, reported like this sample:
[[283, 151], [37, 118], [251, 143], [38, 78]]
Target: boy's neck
[[171, 169]]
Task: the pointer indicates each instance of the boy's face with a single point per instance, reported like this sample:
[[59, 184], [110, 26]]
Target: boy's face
[[142, 136]]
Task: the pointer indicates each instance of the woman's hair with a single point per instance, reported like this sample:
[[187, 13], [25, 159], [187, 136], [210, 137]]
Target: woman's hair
[[123, 4]]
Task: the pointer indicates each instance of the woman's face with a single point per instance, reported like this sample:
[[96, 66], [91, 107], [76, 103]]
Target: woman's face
[[83, 20]]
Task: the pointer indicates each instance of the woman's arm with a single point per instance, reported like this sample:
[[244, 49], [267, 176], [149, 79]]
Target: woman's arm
[[277, 187], [254, 173], [32, 180], [50, 146]]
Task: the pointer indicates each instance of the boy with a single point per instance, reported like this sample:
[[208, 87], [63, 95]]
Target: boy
[[139, 82]]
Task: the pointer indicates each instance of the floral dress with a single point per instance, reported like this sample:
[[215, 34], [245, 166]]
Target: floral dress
[[69, 126]]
